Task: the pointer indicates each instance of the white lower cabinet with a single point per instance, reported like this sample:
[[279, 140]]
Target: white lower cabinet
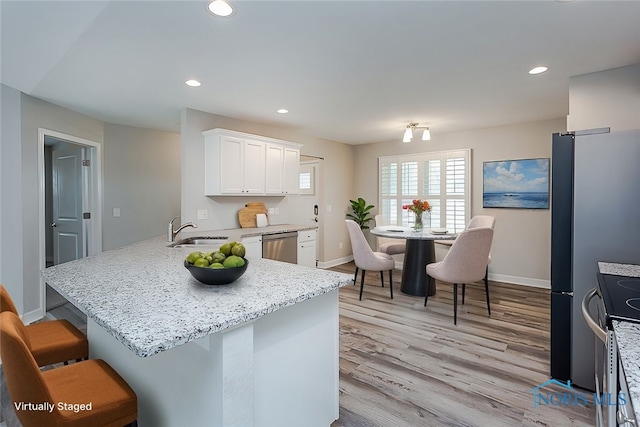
[[253, 247], [307, 248]]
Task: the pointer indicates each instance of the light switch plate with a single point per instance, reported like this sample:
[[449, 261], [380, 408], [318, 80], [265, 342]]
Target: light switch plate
[[116, 212], [203, 214]]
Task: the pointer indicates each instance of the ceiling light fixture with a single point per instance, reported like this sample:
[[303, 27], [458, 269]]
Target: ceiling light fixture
[[408, 133], [193, 83], [538, 70], [282, 111], [220, 8]]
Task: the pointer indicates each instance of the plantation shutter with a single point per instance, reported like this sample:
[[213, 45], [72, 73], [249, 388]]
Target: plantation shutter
[[442, 178]]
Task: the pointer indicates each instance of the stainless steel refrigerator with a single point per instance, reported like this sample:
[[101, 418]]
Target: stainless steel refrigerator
[[595, 216]]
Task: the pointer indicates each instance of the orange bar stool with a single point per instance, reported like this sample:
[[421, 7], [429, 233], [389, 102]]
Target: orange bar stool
[[51, 341], [87, 393]]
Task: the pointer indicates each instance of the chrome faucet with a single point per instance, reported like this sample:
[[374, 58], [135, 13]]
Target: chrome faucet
[[171, 234]]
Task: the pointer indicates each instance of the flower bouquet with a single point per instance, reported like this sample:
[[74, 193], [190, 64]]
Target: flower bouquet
[[418, 207]]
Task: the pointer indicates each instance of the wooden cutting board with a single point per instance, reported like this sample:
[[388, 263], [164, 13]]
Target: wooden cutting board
[[259, 207], [247, 215]]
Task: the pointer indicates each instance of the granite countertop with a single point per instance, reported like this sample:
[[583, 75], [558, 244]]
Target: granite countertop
[[143, 296], [629, 270], [240, 233], [627, 335]]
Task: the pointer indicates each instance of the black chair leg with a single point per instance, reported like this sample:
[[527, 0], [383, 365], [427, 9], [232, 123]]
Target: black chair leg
[[391, 283], [455, 303], [486, 290], [362, 282], [355, 276], [464, 286], [382, 277]]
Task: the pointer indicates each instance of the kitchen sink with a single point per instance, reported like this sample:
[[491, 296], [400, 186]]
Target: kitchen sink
[[199, 241]]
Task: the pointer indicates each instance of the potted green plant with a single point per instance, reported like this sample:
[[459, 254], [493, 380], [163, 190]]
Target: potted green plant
[[360, 212]]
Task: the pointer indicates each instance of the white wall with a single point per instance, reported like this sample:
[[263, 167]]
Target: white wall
[[136, 158], [522, 240], [337, 180], [608, 98], [40, 114], [142, 179], [11, 194]]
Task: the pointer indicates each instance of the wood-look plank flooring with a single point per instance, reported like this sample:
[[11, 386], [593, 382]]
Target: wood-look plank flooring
[[402, 364]]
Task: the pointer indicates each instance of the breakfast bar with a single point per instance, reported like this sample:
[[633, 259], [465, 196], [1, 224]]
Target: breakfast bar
[[260, 351]]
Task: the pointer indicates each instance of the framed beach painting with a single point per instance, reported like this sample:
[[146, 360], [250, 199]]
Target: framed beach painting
[[519, 184]]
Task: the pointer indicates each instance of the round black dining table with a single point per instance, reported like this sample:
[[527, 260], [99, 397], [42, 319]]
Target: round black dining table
[[419, 252]]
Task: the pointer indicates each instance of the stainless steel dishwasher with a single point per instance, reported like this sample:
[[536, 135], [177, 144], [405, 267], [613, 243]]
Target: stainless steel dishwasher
[[281, 247]]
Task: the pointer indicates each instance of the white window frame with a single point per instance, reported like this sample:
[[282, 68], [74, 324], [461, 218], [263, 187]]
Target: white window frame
[[390, 181], [307, 170]]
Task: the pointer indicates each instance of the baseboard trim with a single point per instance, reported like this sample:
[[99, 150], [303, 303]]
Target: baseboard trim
[[334, 262], [505, 278], [516, 280], [32, 316]]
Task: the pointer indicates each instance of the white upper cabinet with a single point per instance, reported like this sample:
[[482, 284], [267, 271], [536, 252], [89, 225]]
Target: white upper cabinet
[[291, 170], [241, 164], [274, 182], [254, 167], [233, 166], [283, 167]]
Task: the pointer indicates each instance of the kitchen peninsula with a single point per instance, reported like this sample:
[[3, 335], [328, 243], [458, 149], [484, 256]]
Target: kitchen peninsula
[[261, 351]]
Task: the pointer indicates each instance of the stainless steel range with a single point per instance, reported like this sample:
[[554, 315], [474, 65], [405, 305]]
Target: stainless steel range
[[621, 297], [618, 299]]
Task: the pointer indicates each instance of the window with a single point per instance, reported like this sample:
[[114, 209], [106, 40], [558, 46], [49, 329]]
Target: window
[[306, 180], [442, 178]]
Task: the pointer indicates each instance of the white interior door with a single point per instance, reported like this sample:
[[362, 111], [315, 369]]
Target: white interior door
[[67, 204], [305, 208]]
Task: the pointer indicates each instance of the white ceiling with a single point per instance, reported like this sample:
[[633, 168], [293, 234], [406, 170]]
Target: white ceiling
[[355, 72]]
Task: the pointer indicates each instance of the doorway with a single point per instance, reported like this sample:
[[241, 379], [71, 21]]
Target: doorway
[[70, 209], [305, 207]]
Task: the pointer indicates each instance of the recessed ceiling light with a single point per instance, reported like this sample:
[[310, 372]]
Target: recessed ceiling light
[[220, 8], [282, 111], [192, 83], [538, 70]]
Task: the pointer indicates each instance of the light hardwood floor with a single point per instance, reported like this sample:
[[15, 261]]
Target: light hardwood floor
[[402, 364]]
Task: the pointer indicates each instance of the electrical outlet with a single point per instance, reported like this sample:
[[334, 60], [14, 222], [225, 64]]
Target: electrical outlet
[[272, 211], [203, 214], [116, 212], [277, 211], [339, 245], [329, 208]]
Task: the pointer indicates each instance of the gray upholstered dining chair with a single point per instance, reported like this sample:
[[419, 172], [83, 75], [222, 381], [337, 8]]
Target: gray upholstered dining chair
[[466, 262], [386, 245], [482, 221], [366, 259], [477, 222]]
